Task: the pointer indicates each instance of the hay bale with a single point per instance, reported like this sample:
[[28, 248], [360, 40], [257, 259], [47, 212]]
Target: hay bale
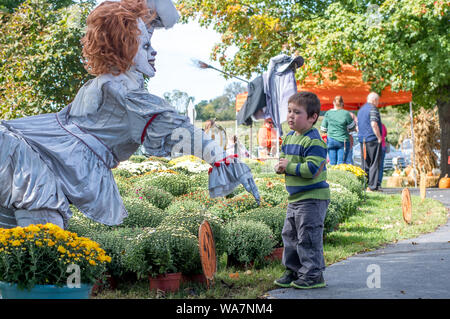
[[395, 181]]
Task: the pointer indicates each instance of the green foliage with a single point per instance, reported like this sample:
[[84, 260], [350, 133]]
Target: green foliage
[[343, 204], [199, 181], [273, 194], [42, 254], [41, 68], [125, 186], [158, 197], [116, 243], [167, 248], [141, 213], [84, 226], [149, 255], [137, 158], [200, 196], [230, 208], [272, 217], [175, 184], [222, 108], [248, 241], [346, 179], [121, 173], [190, 215]]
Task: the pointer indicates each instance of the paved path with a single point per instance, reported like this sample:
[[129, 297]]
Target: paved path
[[412, 268]]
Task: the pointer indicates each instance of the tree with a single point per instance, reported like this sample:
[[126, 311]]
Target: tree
[[40, 54], [178, 99], [401, 43], [9, 6]]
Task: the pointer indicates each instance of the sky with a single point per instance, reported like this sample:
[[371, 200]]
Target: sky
[[175, 48]]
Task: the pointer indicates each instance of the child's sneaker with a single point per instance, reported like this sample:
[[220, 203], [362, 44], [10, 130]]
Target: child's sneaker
[[305, 283], [287, 279]]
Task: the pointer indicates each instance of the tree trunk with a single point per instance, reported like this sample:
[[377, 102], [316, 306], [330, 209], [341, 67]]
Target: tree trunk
[[443, 103]]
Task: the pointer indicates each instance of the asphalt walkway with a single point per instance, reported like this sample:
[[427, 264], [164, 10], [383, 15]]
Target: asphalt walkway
[[412, 268]]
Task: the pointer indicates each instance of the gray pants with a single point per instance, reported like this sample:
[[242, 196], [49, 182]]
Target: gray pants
[[303, 237], [12, 218]]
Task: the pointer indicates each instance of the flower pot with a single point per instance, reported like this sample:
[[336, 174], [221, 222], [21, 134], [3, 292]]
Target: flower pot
[[11, 291], [166, 282], [277, 254], [196, 278], [109, 283]]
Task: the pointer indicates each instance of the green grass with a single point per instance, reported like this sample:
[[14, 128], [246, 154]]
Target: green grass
[[378, 222]]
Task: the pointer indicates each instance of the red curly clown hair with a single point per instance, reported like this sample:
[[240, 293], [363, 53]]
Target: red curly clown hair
[[111, 41]]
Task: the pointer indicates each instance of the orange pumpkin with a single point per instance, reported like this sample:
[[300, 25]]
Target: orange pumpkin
[[429, 174], [444, 182]]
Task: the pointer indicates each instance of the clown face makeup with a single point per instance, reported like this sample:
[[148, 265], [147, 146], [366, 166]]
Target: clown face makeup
[[144, 61]]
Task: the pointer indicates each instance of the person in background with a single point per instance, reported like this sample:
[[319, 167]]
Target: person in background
[[337, 123], [383, 154], [236, 147], [216, 132], [369, 136], [352, 142], [267, 139]]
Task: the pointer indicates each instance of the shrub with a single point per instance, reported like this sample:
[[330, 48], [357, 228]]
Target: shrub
[[343, 204], [137, 158], [149, 255], [157, 197], [141, 213], [200, 196], [116, 243], [273, 194], [346, 179], [165, 249], [125, 186], [176, 184], [41, 254], [184, 206], [118, 172], [84, 226], [272, 217], [199, 181], [229, 208], [248, 241], [190, 215]]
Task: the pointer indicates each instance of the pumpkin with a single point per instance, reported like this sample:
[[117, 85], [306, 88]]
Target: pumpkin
[[444, 182], [429, 174], [408, 170]]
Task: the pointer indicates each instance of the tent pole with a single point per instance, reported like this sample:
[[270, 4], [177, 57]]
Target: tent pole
[[251, 140], [413, 144]]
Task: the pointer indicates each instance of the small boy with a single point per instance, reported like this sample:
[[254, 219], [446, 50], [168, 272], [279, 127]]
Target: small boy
[[302, 160]]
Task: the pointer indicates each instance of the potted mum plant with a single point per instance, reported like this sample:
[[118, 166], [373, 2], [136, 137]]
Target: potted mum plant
[[47, 262]]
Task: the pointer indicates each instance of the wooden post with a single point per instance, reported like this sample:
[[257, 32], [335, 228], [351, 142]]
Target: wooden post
[[251, 140], [413, 144]]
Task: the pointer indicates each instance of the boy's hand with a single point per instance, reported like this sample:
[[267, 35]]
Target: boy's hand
[[280, 168]]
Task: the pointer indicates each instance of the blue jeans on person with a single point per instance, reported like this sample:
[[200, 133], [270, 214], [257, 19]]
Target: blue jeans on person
[[337, 151], [380, 173]]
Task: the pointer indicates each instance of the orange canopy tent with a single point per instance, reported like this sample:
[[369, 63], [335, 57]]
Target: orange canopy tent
[[349, 85]]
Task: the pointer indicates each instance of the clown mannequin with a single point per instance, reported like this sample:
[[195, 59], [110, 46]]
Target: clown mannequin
[[52, 160]]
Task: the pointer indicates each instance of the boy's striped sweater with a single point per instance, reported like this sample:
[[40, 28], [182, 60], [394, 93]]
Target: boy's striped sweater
[[305, 153]]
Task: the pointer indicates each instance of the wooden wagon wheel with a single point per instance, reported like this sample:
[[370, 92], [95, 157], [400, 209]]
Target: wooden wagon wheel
[[207, 251], [406, 205]]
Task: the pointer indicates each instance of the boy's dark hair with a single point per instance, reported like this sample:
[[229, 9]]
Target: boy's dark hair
[[309, 101]]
